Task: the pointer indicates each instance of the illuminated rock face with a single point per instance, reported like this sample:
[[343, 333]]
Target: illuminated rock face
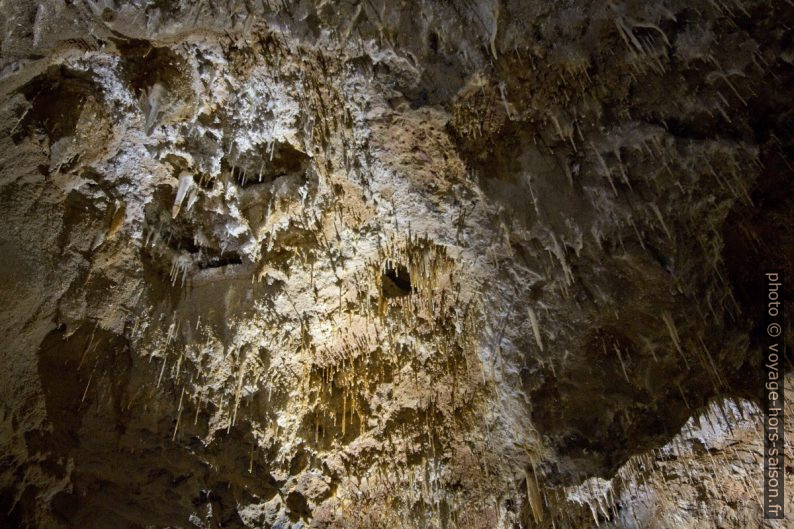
[[356, 265]]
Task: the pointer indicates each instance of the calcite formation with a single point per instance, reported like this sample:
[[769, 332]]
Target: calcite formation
[[373, 264]]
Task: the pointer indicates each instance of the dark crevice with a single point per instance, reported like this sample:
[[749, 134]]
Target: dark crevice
[[57, 98], [396, 281], [144, 65], [219, 261], [265, 167]]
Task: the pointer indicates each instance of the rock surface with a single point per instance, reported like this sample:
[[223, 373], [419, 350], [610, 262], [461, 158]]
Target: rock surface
[[491, 264]]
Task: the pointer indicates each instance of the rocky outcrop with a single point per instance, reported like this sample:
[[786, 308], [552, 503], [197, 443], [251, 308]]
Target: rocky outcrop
[[359, 264]]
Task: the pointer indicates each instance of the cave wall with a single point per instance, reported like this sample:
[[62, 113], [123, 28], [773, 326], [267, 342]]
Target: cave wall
[[378, 264]]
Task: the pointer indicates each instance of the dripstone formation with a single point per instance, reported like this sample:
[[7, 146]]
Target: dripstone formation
[[490, 264]]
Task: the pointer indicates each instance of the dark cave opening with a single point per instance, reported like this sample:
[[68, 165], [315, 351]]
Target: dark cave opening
[[396, 281]]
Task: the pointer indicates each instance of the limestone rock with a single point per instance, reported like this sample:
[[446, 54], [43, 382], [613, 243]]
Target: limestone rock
[[491, 264]]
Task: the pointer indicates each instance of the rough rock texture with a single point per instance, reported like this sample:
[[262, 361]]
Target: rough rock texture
[[490, 264], [706, 477]]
